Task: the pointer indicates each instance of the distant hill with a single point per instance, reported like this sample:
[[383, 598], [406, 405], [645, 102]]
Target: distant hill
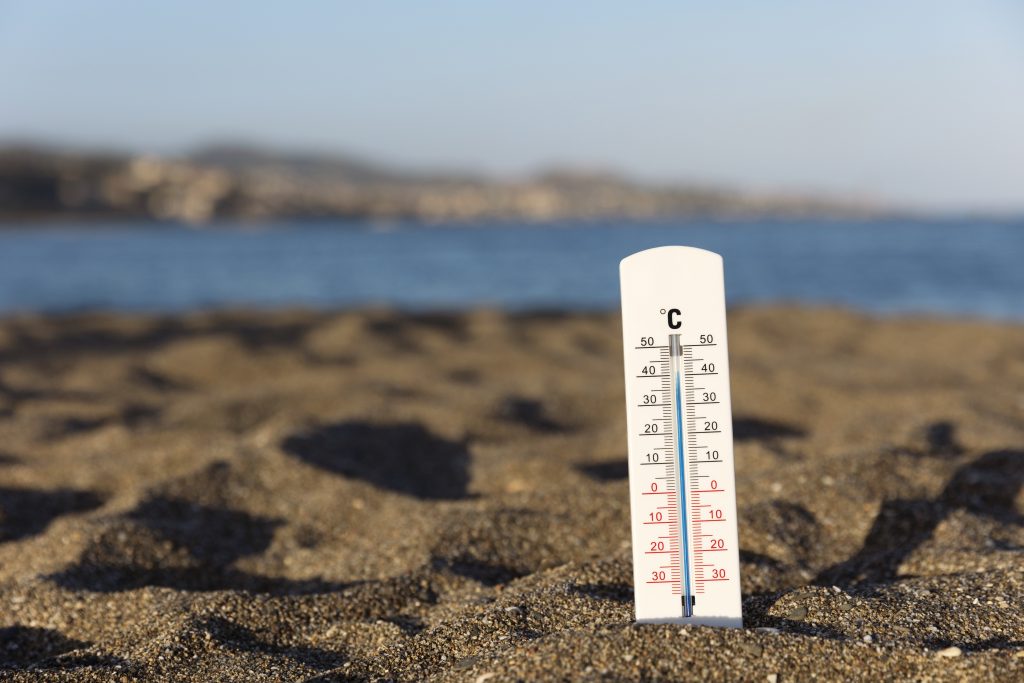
[[244, 182], [238, 158]]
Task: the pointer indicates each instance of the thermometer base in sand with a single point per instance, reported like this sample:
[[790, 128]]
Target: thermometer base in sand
[[679, 420]]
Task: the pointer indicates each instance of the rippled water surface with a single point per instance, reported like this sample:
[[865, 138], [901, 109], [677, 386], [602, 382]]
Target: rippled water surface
[[949, 267]]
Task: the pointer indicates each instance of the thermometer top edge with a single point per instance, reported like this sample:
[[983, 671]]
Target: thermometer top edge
[[659, 251]]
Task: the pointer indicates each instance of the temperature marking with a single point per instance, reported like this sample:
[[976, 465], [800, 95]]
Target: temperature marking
[[673, 302]]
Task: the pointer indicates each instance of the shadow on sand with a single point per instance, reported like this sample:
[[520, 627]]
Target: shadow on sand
[[404, 458], [175, 543], [28, 648], [27, 512], [986, 486]]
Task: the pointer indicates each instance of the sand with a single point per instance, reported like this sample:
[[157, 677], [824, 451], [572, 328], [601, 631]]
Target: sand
[[372, 495]]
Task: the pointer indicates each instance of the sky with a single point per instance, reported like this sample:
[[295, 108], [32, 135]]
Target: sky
[[916, 103]]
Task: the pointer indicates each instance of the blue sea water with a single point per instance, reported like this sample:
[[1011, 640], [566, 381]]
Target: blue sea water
[[951, 267]]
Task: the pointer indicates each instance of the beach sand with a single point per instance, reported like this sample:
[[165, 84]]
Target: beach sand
[[373, 495]]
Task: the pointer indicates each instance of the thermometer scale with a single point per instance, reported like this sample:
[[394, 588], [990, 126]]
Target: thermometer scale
[[679, 419]]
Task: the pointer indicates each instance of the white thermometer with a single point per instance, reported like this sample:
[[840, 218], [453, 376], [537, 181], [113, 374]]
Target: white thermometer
[[681, 476]]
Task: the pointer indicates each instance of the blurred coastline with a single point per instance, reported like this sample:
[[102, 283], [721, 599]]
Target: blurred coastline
[[234, 182]]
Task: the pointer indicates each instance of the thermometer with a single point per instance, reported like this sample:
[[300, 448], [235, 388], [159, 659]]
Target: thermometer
[[678, 415]]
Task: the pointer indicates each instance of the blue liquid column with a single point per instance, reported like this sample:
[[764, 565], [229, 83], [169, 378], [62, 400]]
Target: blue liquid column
[[675, 357]]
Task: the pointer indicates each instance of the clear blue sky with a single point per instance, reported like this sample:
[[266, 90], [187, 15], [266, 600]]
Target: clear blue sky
[[917, 102]]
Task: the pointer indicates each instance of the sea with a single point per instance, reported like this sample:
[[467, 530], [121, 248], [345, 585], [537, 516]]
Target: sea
[[950, 267]]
